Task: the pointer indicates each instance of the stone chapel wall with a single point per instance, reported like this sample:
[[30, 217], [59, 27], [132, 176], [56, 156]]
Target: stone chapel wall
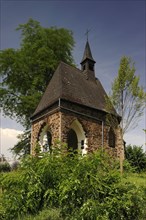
[[60, 123], [93, 131]]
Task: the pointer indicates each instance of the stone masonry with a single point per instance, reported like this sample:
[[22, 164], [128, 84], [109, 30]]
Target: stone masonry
[[59, 124]]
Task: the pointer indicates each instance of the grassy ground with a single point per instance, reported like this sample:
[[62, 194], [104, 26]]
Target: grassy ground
[[47, 214], [138, 179]]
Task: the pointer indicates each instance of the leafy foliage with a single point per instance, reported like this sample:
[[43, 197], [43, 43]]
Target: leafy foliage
[[15, 165], [22, 147], [88, 187], [136, 157], [4, 167], [127, 96], [26, 71]]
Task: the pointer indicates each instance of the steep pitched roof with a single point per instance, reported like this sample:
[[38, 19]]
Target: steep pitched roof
[[71, 84]]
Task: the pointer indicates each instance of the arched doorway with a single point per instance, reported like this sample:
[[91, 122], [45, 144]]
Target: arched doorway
[[45, 139], [72, 140], [76, 137]]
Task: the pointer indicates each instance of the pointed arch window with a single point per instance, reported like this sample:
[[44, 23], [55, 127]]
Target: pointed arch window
[[112, 138], [72, 140]]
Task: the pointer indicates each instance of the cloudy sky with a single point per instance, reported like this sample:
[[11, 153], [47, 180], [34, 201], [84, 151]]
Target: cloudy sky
[[117, 29]]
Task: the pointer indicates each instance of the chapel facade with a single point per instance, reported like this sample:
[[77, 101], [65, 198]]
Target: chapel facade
[[73, 110]]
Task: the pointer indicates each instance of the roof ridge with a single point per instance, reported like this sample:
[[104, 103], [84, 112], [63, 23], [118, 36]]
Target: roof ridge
[[60, 78]]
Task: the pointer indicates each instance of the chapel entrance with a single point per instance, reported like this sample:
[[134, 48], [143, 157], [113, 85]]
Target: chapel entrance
[[76, 139]]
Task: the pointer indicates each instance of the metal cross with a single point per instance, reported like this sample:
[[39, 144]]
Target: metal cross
[[87, 33]]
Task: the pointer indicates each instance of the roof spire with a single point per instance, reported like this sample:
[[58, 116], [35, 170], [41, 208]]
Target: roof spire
[[87, 62], [87, 53]]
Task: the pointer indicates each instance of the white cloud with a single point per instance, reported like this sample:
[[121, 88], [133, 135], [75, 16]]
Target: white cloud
[[8, 140], [135, 138]]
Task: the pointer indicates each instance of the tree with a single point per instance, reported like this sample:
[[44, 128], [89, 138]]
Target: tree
[[4, 165], [22, 147], [127, 96], [26, 71], [136, 157]]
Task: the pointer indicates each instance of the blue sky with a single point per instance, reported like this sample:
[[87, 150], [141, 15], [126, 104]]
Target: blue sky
[[117, 28]]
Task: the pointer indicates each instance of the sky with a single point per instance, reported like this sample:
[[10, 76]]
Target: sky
[[117, 28]]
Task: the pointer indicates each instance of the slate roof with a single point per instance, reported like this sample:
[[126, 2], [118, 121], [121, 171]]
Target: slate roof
[[71, 84]]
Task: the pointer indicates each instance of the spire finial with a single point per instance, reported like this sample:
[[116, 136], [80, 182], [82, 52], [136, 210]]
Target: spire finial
[[87, 33], [87, 62]]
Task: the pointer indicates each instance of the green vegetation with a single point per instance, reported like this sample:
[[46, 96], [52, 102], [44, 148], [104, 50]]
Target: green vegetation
[[136, 157], [46, 214], [4, 167], [127, 96], [26, 71], [67, 186]]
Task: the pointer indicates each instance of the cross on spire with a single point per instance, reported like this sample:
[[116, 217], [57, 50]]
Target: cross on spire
[[87, 33]]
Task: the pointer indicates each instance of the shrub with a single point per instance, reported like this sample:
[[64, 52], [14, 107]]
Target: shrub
[[94, 190], [136, 157], [21, 193], [127, 167], [4, 167], [88, 187], [15, 165]]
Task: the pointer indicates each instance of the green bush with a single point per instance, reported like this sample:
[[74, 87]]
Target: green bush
[[4, 167], [136, 157], [15, 165], [21, 193], [94, 190], [127, 167], [87, 188]]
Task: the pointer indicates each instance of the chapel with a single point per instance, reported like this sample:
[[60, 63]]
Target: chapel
[[73, 109]]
